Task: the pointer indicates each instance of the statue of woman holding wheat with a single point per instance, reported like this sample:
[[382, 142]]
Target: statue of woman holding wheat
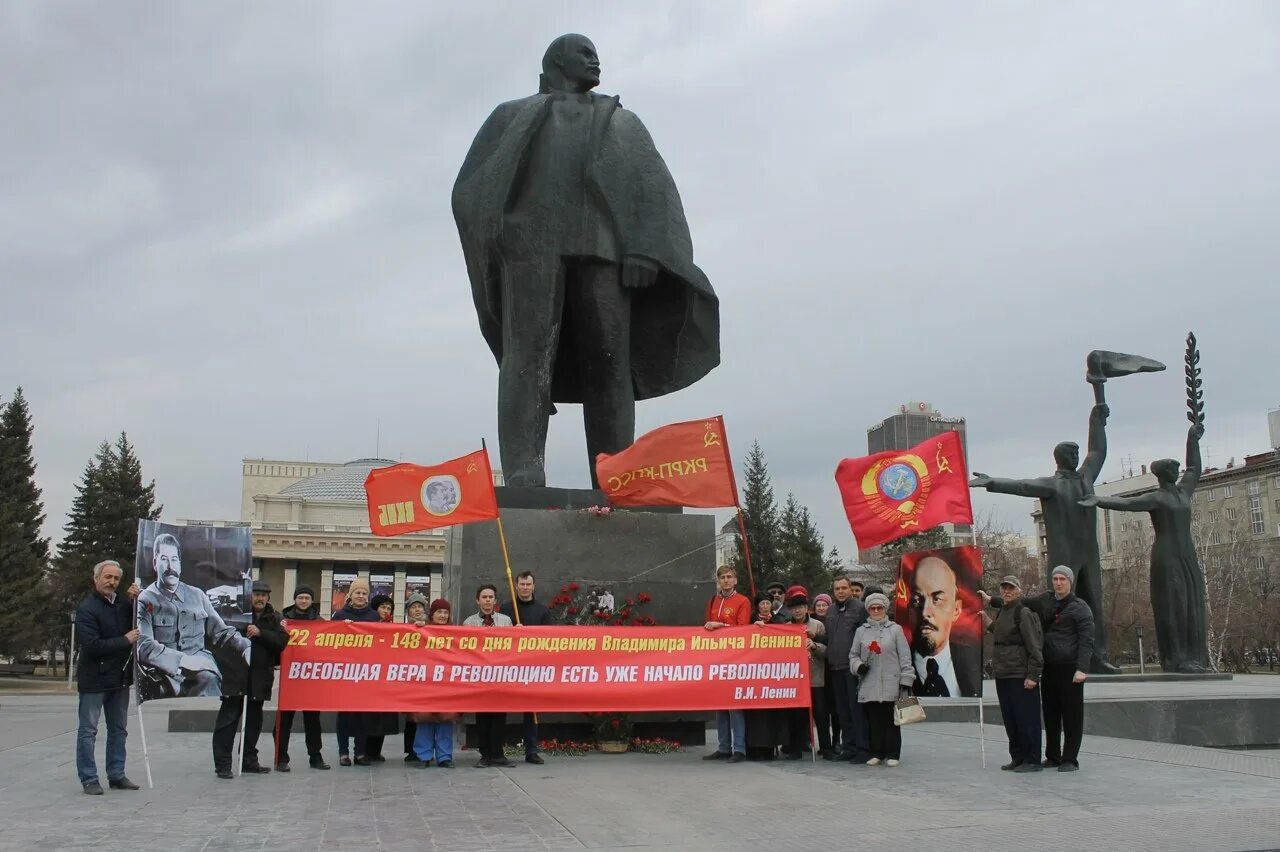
[[1177, 582]]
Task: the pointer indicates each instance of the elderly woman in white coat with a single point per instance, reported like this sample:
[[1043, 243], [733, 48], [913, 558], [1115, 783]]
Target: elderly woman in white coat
[[882, 660]]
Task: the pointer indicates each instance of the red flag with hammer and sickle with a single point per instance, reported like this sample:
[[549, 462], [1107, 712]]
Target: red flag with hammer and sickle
[[407, 498], [684, 464], [896, 493]]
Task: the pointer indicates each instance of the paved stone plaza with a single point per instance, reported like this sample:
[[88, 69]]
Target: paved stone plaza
[[1129, 795]]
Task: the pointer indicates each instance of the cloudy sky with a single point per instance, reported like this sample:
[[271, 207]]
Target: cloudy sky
[[225, 227]]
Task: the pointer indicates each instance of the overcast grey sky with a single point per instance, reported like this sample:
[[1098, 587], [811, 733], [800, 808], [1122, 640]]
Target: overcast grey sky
[[225, 227]]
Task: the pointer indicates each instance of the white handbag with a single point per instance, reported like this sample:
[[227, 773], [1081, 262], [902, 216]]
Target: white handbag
[[907, 711]]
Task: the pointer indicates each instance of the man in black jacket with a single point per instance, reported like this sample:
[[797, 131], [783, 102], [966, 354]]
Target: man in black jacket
[[304, 608], [104, 628], [267, 639], [844, 618], [1068, 648], [531, 614]]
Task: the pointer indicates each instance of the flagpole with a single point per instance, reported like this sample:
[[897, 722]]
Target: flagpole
[[746, 551], [737, 504], [142, 732], [502, 541]]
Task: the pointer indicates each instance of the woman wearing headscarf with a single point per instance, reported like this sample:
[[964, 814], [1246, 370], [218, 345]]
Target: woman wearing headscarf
[[882, 659], [434, 738], [355, 725]]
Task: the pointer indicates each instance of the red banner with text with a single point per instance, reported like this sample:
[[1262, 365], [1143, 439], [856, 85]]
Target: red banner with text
[[398, 667]]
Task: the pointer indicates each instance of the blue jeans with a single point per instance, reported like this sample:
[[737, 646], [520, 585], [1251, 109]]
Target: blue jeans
[[434, 741], [732, 722], [116, 703]]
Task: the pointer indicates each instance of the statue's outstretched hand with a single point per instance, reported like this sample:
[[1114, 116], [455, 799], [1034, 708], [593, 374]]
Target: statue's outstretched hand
[[980, 480], [1197, 430], [1090, 501], [1102, 411], [638, 273]]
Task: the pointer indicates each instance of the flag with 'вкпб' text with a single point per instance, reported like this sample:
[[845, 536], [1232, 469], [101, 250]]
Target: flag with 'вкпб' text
[[407, 498], [684, 464], [896, 493]]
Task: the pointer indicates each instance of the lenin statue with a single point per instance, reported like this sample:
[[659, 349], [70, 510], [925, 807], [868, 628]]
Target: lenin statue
[[581, 263]]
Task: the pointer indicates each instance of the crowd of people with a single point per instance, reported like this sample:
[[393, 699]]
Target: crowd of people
[[861, 666]]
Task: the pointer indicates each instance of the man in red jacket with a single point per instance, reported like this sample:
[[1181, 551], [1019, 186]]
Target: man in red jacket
[[729, 609]]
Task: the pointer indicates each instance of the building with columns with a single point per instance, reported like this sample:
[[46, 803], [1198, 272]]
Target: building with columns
[[310, 526]]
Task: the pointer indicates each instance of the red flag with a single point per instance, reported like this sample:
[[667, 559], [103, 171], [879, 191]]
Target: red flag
[[684, 464], [896, 493], [407, 498]]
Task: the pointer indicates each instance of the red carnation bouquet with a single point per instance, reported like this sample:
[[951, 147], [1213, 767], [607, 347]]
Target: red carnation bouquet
[[874, 647]]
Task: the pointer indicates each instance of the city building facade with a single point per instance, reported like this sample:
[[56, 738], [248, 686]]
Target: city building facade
[[310, 526]]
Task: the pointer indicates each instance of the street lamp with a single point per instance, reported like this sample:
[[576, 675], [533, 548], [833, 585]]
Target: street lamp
[[1142, 658]]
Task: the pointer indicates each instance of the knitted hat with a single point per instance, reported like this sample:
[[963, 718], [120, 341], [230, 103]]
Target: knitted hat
[[303, 590], [415, 598], [358, 583], [378, 600], [822, 597], [876, 598], [440, 603], [1066, 572]]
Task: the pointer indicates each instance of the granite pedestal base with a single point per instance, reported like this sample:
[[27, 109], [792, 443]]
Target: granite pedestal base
[[552, 532]]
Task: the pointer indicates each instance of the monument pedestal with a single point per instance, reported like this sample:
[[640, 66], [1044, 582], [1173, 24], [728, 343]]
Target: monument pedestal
[[552, 532]]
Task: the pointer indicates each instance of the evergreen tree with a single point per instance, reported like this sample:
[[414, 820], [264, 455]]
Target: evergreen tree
[[126, 501], [799, 547], [102, 524], [834, 565], [23, 550], [760, 516]]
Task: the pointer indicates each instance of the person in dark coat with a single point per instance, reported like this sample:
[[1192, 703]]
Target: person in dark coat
[[267, 641], [531, 614], [1068, 649], [358, 725], [844, 618], [829, 720], [1017, 663], [304, 608], [379, 725], [105, 631]]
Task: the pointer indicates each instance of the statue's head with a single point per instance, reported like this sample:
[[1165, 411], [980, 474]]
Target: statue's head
[[1166, 470], [570, 64], [1067, 455]]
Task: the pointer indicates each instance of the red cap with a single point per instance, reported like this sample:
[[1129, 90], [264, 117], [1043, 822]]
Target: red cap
[[439, 603], [797, 591]]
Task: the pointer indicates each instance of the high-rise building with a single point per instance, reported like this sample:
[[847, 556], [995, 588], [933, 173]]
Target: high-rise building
[[914, 422]]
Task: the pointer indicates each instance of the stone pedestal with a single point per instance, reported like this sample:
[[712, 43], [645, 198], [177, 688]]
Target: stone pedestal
[[664, 552]]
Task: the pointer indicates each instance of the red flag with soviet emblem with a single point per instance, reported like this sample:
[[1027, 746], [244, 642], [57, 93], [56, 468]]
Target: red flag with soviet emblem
[[408, 498], [684, 464], [896, 493]]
